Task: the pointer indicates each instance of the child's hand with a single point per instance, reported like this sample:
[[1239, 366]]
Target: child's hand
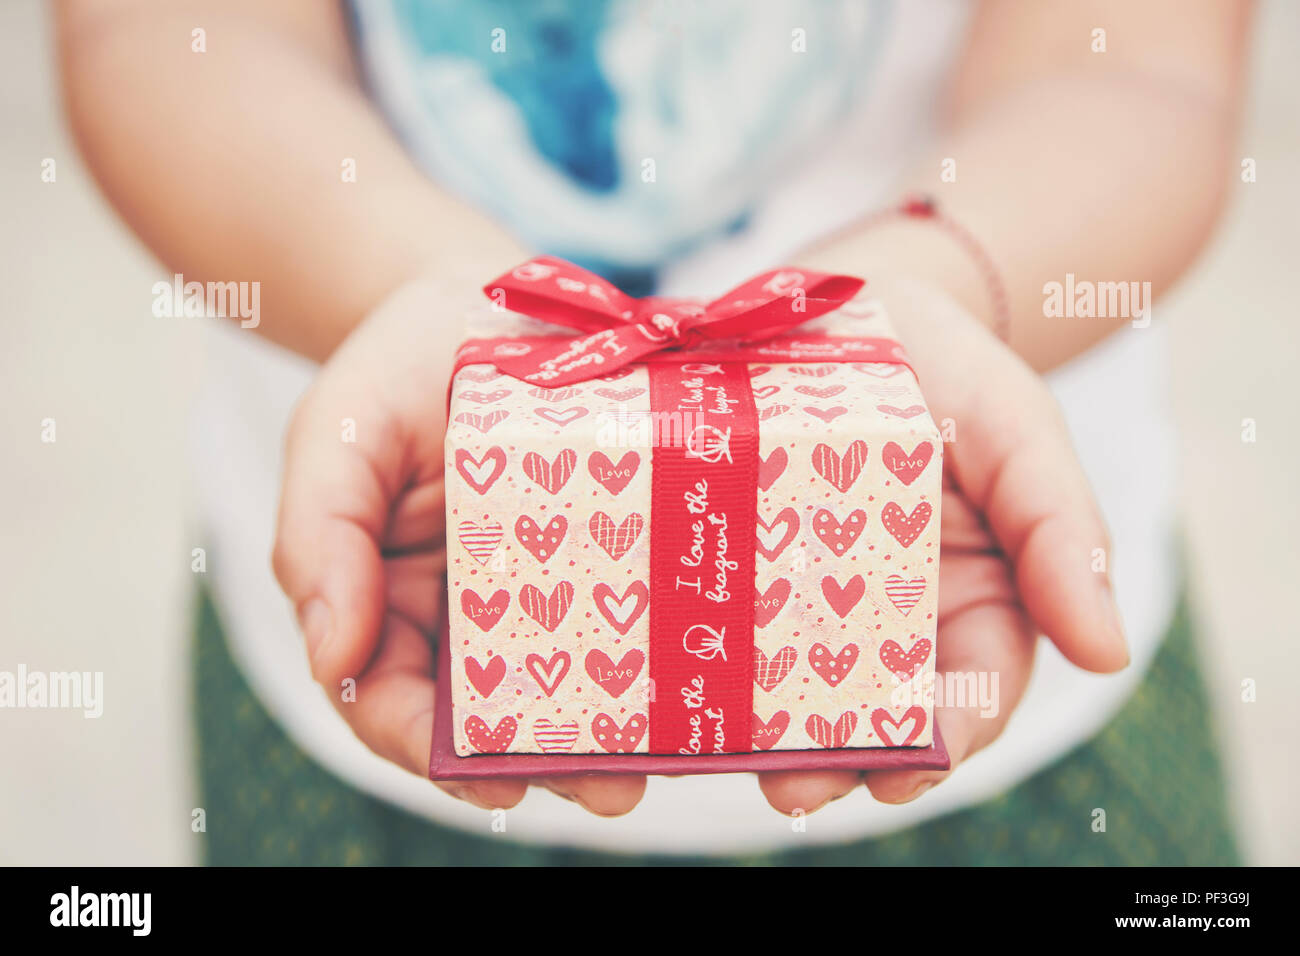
[[361, 542], [1019, 528], [361, 539]]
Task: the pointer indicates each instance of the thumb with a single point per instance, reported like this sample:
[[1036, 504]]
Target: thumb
[[333, 510], [1015, 463]]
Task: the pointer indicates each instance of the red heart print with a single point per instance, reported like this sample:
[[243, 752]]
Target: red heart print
[[905, 664], [554, 395], [767, 414], [615, 540], [833, 669], [900, 732], [490, 741], [482, 375], [485, 679], [836, 535], [485, 398], [904, 466], [616, 739], [547, 611], [827, 415], [484, 423], [615, 678], [613, 478], [770, 671], [840, 470], [904, 594], [553, 738], [813, 371], [911, 411], [620, 394], [549, 673], [823, 734], [904, 527], [560, 417], [771, 539], [843, 599], [481, 473], [879, 369], [541, 543], [766, 391], [768, 604], [480, 540], [814, 391], [768, 733], [771, 468], [555, 475], [484, 613], [756, 370], [622, 612]]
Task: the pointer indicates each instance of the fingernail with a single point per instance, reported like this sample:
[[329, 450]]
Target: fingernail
[[921, 789], [315, 619]]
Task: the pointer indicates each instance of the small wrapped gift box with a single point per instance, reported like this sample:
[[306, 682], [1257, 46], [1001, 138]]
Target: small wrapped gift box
[[687, 537]]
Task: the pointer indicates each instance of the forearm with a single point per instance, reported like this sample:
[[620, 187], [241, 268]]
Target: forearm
[[1109, 162], [229, 164], [1107, 179]]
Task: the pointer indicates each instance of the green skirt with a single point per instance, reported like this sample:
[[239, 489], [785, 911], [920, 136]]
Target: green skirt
[[1153, 768]]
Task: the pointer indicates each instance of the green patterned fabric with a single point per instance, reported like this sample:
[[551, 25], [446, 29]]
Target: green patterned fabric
[[1153, 769]]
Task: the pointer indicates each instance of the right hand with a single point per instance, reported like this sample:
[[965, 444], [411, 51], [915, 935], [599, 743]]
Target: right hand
[[361, 544]]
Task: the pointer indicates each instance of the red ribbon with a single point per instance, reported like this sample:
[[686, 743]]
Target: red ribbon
[[615, 329], [703, 527], [704, 481]]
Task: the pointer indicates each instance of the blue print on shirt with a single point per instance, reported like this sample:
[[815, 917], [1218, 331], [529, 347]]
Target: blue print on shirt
[[549, 70]]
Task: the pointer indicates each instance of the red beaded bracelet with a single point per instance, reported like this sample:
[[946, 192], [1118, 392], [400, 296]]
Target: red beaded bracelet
[[924, 207]]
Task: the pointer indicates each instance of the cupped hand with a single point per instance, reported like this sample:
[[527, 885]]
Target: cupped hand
[[1018, 538], [361, 544]]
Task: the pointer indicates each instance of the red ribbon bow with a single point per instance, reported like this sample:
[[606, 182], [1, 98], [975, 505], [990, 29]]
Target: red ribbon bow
[[617, 329]]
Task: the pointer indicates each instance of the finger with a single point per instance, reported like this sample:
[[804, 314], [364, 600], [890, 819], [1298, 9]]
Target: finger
[[1013, 459], [390, 709], [962, 528], [418, 519], [333, 509], [1039, 507], [992, 642], [390, 705], [802, 791], [606, 796], [414, 588]]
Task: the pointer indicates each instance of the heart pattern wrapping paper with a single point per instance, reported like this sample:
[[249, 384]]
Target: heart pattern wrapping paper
[[549, 530]]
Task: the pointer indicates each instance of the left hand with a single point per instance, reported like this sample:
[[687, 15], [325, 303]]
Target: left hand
[[1019, 526]]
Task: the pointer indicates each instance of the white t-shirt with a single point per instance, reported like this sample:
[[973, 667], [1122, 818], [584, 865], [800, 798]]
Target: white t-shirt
[[1113, 396]]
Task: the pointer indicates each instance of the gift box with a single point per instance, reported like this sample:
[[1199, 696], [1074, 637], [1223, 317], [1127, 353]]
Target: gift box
[[686, 537]]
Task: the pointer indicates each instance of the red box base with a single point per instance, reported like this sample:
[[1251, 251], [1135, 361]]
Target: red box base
[[445, 764]]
